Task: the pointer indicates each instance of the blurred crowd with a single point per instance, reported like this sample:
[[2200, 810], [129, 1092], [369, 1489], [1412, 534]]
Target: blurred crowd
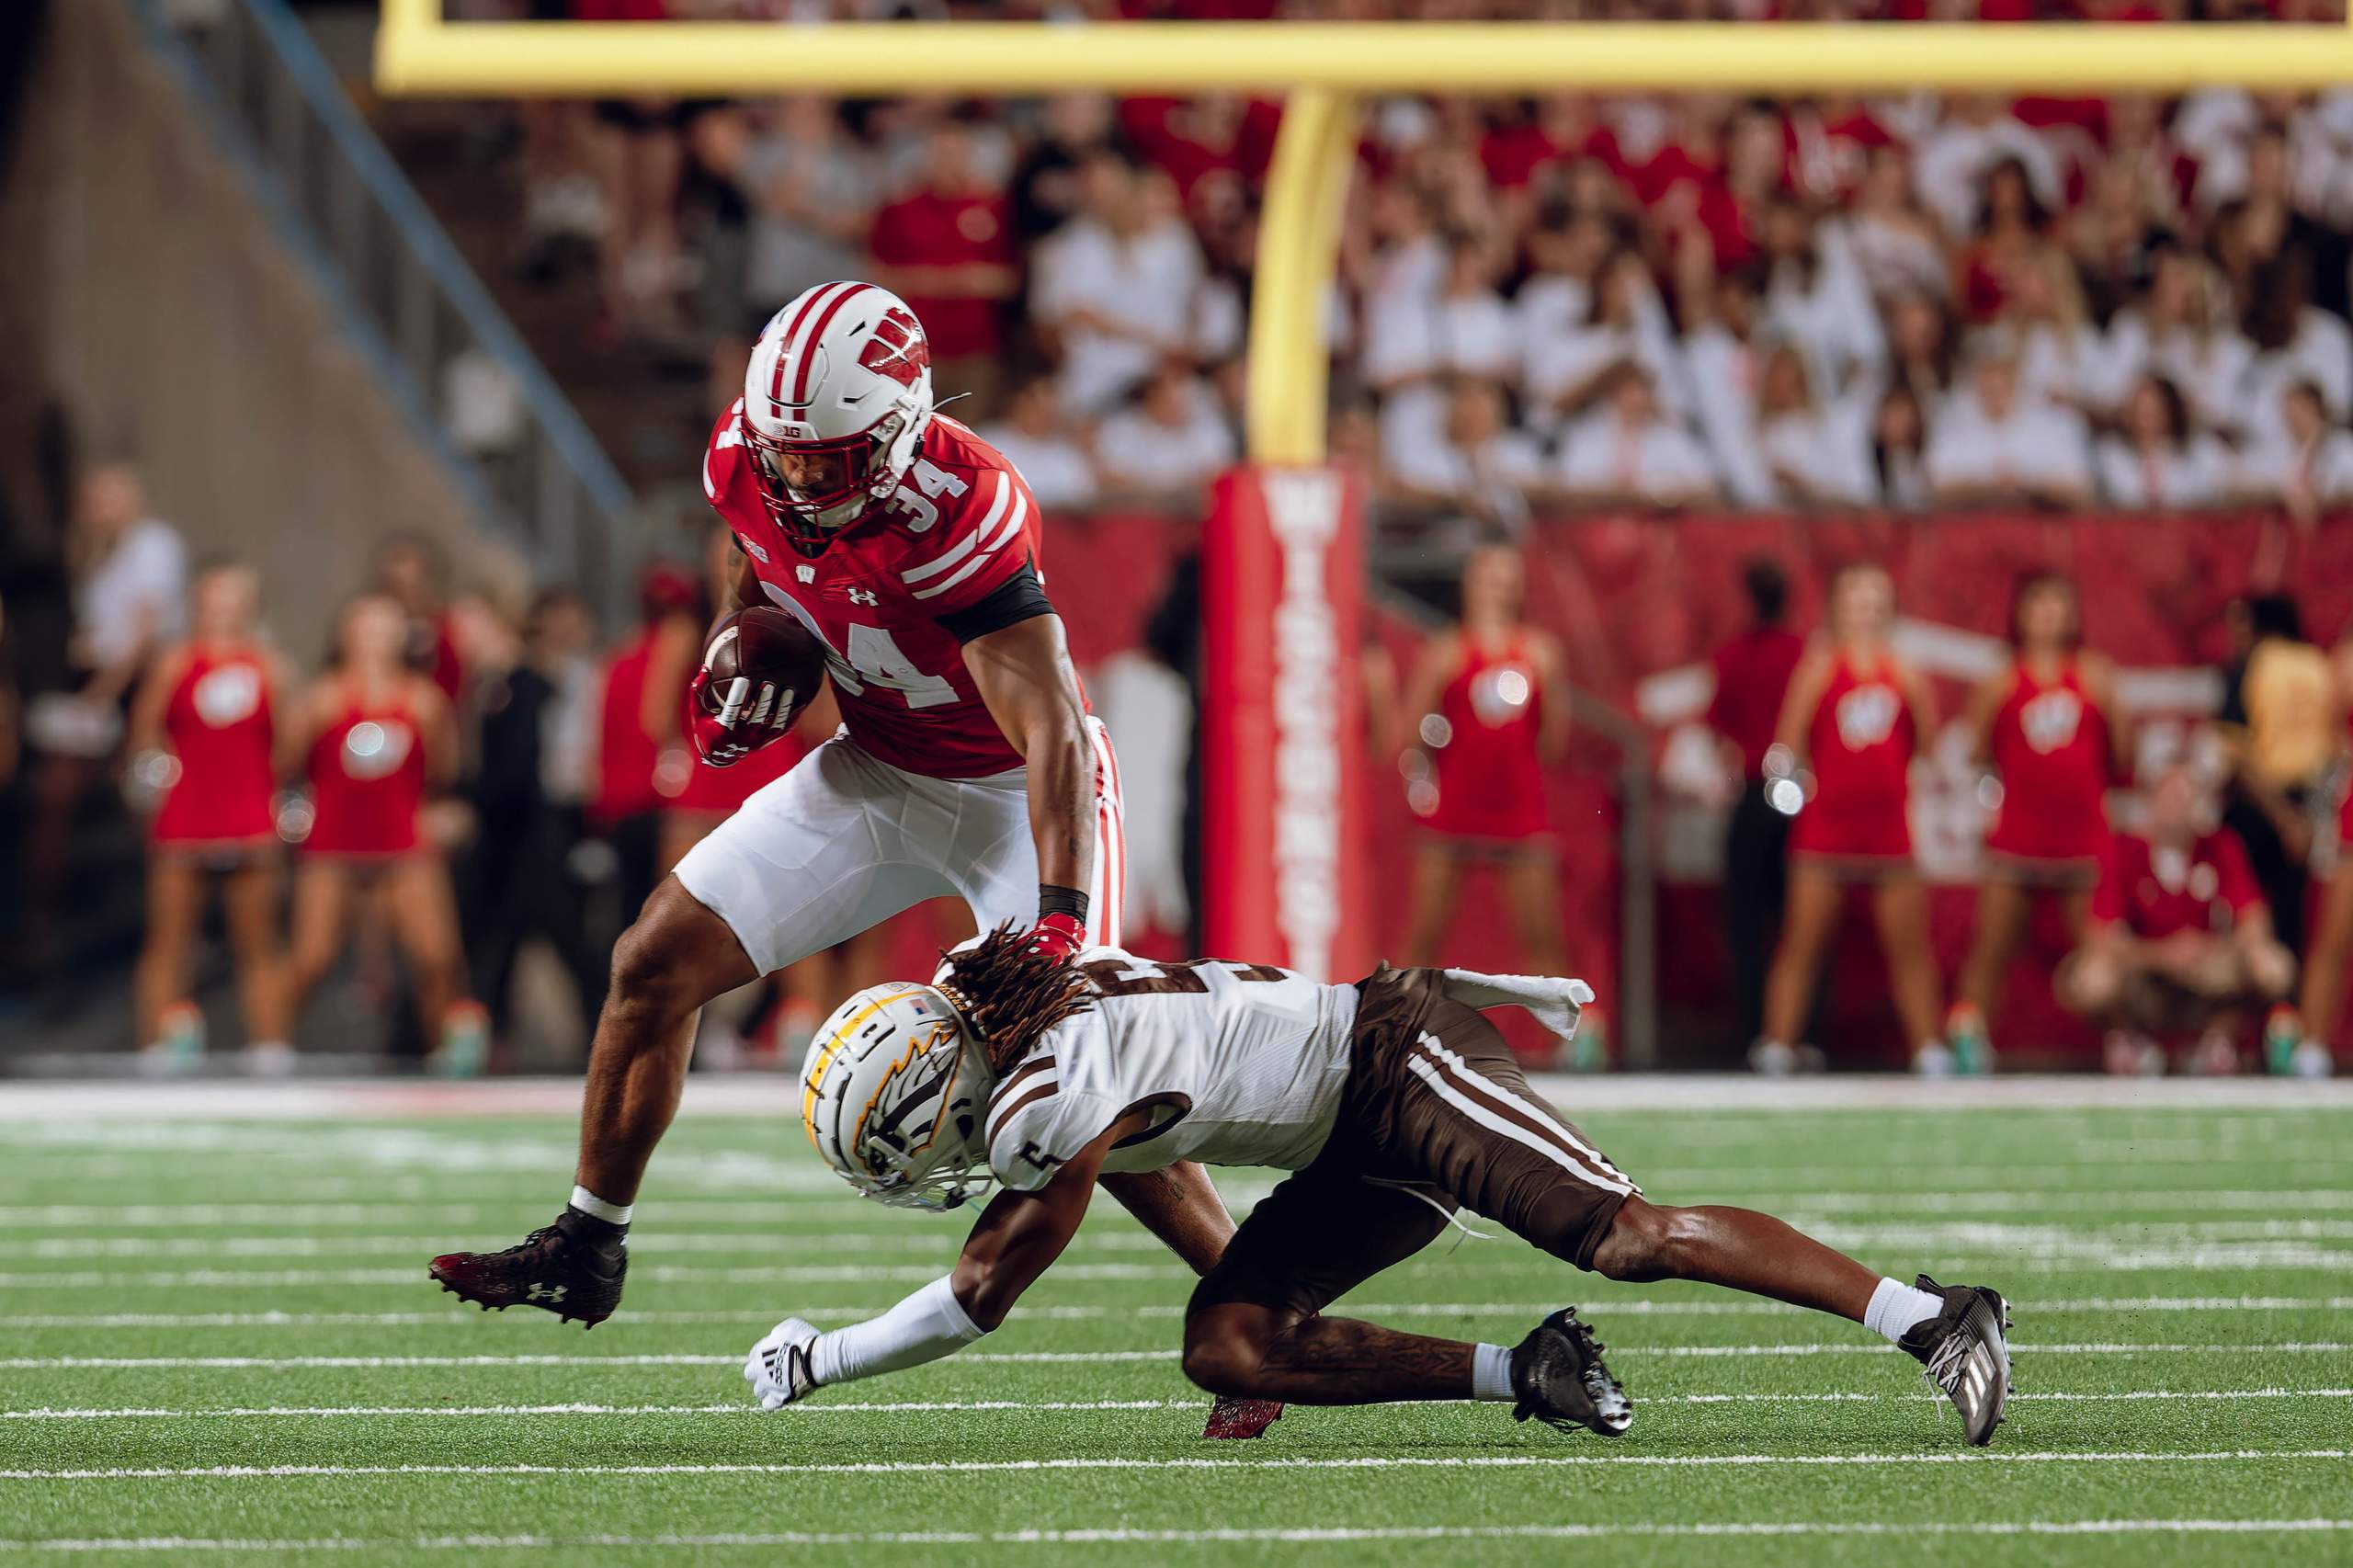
[[460, 779], [1625, 302], [1908, 302]]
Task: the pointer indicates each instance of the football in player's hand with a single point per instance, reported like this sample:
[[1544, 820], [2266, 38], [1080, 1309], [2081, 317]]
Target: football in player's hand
[[770, 646]]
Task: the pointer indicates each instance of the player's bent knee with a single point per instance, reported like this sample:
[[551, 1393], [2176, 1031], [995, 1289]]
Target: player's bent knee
[[1644, 1242], [649, 973], [675, 957], [1225, 1349]]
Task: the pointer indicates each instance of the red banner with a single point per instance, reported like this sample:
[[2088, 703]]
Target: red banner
[[1281, 725]]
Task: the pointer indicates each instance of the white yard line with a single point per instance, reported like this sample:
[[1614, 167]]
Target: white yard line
[[129, 1413], [1299, 1535], [1952, 1235], [1368, 1461], [812, 1274], [738, 1408], [777, 1095], [1680, 1352], [1600, 1310], [800, 1219], [2055, 1255]]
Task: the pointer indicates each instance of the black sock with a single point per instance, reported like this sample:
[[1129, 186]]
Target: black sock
[[602, 1235]]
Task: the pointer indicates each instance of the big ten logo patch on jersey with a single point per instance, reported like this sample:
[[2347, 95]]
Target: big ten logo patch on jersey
[[225, 695], [1501, 693], [1867, 715], [2050, 721], [375, 748]]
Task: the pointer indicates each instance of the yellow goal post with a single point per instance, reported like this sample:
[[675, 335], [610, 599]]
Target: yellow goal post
[[1323, 70]]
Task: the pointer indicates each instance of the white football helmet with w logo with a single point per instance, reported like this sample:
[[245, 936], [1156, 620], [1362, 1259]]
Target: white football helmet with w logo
[[891, 1094], [836, 397]]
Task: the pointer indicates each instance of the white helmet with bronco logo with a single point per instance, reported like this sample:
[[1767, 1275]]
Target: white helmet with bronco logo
[[892, 1093]]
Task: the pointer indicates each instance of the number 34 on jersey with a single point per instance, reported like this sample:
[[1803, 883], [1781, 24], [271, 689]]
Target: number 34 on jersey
[[881, 597]]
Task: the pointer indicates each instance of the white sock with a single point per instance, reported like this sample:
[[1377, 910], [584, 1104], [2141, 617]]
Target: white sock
[[1896, 1306], [589, 1203], [1491, 1373]]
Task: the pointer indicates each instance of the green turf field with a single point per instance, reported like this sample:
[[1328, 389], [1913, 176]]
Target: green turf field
[[217, 1343]]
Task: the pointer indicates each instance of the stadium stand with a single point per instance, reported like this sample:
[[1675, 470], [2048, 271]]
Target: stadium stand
[[1644, 338]]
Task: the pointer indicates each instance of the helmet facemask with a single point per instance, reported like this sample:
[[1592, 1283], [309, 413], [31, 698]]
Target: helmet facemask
[[859, 473], [836, 398]]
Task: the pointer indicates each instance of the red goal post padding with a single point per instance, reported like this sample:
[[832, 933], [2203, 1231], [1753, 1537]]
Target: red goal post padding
[[1284, 803]]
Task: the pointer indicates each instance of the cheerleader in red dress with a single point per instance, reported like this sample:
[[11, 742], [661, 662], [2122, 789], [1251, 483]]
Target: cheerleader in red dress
[[2048, 728], [372, 735], [1491, 705], [2323, 1001], [1856, 715], [200, 733]]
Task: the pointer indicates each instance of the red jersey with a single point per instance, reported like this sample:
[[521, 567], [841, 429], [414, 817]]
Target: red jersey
[[217, 722], [1753, 674], [960, 526], [2051, 745], [1861, 743], [626, 755], [1490, 779], [367, 780], [2157, 892]]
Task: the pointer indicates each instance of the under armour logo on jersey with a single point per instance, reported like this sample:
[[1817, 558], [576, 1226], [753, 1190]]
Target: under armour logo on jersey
[[545, 1292], [861, 595], [806, 573]]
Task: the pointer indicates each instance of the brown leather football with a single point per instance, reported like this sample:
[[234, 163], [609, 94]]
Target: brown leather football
[[768, 645]]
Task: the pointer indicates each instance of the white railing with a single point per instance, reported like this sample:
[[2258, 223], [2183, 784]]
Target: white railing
[[407, 298]]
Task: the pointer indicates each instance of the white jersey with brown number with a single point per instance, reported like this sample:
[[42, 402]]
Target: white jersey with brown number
[[1240, 1064]]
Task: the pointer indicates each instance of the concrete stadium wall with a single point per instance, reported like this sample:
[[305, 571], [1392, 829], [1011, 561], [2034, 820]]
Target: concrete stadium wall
[[174, 326]]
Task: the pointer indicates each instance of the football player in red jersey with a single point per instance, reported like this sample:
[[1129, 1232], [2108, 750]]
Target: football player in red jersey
[[967, 764]]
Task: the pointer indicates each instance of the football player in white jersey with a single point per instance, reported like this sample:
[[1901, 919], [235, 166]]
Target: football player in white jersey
[[1392, 1101]]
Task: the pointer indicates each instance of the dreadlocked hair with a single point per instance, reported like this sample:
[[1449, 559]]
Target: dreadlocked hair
[[1010, 996]]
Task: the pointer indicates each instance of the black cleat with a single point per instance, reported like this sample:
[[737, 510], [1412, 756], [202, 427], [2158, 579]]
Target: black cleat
[[1557, 1374], [1967, 1354], [552, 1268]]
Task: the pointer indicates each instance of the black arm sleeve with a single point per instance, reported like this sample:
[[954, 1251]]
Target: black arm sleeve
[[1021, 597]]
